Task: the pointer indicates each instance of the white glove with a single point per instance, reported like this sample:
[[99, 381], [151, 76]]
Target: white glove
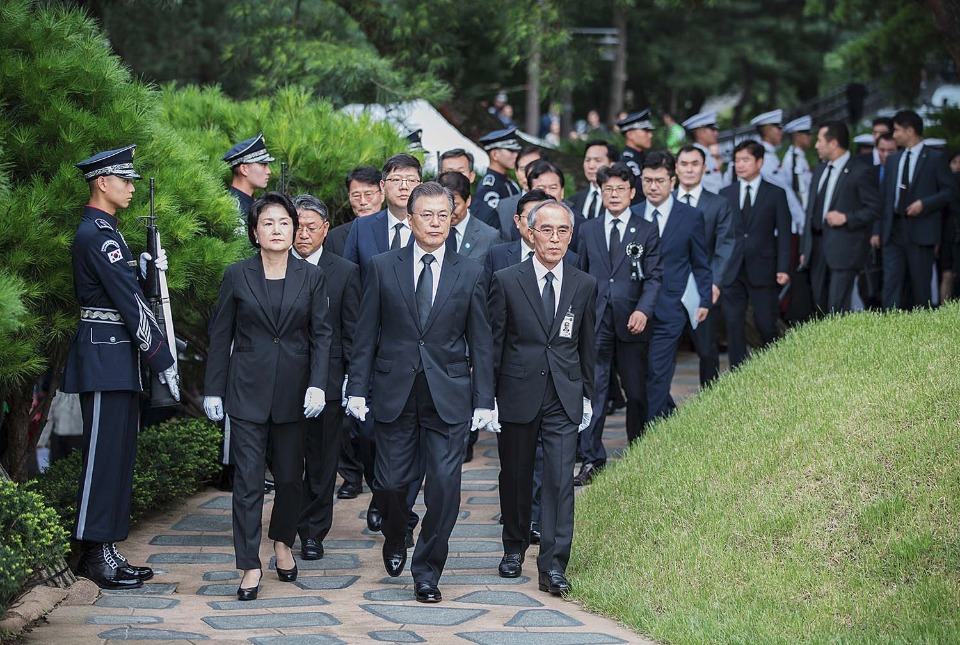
[[213, 406], [313, 402], [494, 425], [171, 379], [357, 407], [482, 417], [161, 262], [587, 415], [343, 392]]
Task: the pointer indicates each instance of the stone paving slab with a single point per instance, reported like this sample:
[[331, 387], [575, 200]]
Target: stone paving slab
[[305, 639], [190, 558], [539, 638], [143, 634], [148, 589], [136, 602], [197, 522], [269, 603], [273, 621], [436, 615], [542, 618], [192, 540], [396, 636]]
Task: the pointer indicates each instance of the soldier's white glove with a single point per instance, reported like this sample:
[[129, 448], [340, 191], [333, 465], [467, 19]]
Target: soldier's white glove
[[161, 262], [171, 379], [343, 392], [481, 418], [587, 415], [213, 406], [357, 407], [494, 425], [313, 402]]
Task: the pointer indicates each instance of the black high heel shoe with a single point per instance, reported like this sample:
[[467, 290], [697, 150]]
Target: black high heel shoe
[[287, 575], [249, 593]]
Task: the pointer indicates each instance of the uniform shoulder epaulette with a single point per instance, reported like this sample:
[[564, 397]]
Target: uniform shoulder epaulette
[[103, 225], [489, 180]]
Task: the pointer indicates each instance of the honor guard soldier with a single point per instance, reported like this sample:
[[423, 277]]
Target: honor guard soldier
[[117, 329], [795, 167], [637, 129], [248, 160], [703, 131], [769, 128], [502, 146]]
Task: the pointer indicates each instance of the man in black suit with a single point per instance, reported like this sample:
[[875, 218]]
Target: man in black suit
[[761, 259], [366, 198], [917, 187], [720, 242], [587, 202], [842, 206], [507, 254], [324, 433], [461, 161], [622, 251], [508, 205], [414, 348], [542, 313]]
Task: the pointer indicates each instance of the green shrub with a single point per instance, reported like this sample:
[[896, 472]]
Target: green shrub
[[174, 459], [32, 538]]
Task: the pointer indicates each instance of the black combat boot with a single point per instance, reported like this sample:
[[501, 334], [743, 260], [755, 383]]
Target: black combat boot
[[140, 573], [99, 564]]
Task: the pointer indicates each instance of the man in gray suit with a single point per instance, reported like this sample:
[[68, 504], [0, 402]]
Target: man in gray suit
[[720, 242], [469, 237]]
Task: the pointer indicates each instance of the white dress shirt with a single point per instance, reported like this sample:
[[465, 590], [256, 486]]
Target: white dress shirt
[[664, 210], [837, 165], [312, 259], [592, 191], [694, 193], [405, 232], [525, 250], [460, 230], [541, 272], [914, 156], [418, 254], [608, 218]]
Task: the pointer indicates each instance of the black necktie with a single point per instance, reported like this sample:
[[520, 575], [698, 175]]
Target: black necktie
[[747, 207], [395, 243], [425, 290], [614, 240], [656, 218], [548, 297], [594, 205], [530, 254], [904, 183], [689, 199], [452, 240], [819, 204]]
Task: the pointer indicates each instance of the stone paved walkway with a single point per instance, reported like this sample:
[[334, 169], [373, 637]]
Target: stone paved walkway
[[346, 597]]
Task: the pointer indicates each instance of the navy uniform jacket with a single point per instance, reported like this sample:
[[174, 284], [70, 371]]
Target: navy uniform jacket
[[526, 346], [634, 159], [116, 324], [390, 347], [495, 187], [244, 201], [615, 288]]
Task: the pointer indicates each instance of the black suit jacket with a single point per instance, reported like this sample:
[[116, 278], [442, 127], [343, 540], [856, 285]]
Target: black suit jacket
[[390, 347], [718, 234], [273, 362], [343, 295], [336, 239], [932, 184], [857, 196], [763, 243], [526, 345]]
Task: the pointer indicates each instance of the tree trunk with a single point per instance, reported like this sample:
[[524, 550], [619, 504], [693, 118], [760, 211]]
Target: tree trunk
[[946, 17], [618, 82], [18, 430], [746, 89], [533, 87]]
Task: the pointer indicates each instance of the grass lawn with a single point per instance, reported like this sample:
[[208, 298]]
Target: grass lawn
[[811, 497]]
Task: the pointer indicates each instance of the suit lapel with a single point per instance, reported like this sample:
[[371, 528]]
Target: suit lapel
[[403, 270], [257, 281], [380, 233], [530, 288], [567, 291], [600, 241], [917, 173], [629, 236], [841, 179], [449, 274], [292, 285]]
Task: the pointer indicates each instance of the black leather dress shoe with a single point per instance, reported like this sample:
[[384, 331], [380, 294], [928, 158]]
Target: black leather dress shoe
[[510, 565], [427, 592], [141, 573], [534, 533], [99, 565], [249, 593], [374, 519], [394, 560], [311, 549], [468, 457], [408, 539], [554, 582], [348, 490], [586, 474]]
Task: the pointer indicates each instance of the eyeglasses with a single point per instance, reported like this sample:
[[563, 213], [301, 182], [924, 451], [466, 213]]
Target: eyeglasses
[[654, 181], [367, 195], [563, 232], [615, 190], [428, 216], [397, 182], [309, 229]]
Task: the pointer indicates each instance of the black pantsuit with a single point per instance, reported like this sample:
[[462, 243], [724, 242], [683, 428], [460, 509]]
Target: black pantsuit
[[631, 361], [832, 288], [321, 449]]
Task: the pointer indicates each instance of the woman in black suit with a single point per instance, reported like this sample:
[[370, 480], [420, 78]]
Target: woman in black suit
[[266, 368]]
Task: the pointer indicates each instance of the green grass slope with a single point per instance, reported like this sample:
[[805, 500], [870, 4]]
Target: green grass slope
[[811, 497]]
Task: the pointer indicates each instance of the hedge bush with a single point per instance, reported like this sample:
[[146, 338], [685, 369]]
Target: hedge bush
[[33, 539], [174, 460]]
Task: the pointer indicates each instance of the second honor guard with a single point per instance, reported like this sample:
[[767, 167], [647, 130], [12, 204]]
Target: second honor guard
[[502, 146], [702, 129], [249, 161]]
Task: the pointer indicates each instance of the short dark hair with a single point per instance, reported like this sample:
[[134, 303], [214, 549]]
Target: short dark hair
[[613, 155], [542, 167], [529, 150], [272, 198], [364, 175], [886, 136], [884, 120], [755, 148], [429, 189], [909, 119], [837, 131], [660, 159], [619, 171], [692, 149], [402, 160], [456, 182], [307, 202], [457, 152], [535, 195]]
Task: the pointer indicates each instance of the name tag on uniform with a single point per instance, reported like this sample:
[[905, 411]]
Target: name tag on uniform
[[566, 327]]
